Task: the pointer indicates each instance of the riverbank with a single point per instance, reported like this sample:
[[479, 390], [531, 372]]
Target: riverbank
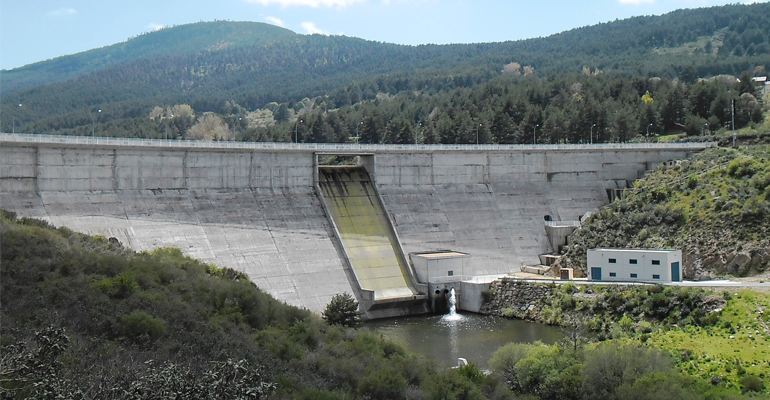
[[716, 334], [599, 305]]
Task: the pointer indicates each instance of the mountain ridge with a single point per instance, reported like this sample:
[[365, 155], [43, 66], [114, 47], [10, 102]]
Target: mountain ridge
[[152, 43], [285, 67]]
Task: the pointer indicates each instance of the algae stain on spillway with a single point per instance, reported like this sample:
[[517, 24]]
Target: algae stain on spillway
[[364, 231]]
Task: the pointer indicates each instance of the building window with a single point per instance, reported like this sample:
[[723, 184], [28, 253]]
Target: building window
[[632, 261], [613, 261], [612, 274], [655, 262], [655, 276], [450, 273], [633, 275]]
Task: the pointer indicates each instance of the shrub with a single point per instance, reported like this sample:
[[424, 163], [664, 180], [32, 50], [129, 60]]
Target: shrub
[[342, 310], [509, 312], [626, 324], [487, 295], [751, 383], [384, 384], [692, 182], [139, 325], [9, 215], [472, 372], [741, 167]]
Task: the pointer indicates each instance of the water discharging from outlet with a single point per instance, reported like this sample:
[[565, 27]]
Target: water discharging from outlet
[[452, 315]]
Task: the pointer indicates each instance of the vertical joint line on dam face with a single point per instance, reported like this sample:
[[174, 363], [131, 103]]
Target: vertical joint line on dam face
[[114, 170], [36, 170], [184, 170]]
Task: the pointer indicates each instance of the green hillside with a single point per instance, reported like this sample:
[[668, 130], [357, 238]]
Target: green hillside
[[234, 68], [714, 206], [169, 42], [84, 318]]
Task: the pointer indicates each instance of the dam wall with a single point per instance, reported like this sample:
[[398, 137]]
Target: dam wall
[[253, 207], [493, 205]]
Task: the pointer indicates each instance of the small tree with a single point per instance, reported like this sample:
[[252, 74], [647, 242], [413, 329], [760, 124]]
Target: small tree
[[342, 310], [576, 331], [210, 126]]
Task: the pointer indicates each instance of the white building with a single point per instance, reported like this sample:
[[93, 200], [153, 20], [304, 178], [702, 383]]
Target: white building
[[440, 266], [634, 265]]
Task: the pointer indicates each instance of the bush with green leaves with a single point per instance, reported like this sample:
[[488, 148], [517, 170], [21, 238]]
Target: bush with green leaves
[[342, 310]]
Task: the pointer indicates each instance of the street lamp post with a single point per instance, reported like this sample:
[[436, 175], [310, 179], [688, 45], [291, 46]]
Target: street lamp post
[[477, 134], [706, 126], [417, 134], [534, 134], [591, 139], [296, 131], [172, 117], [93, 122], [648, 130], [13, 123], [358, 126]]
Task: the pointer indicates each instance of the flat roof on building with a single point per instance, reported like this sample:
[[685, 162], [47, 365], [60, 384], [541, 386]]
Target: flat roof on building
[[441, 254], [610, 249]]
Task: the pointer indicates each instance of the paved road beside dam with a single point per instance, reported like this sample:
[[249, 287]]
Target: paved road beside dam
[[253, 207]]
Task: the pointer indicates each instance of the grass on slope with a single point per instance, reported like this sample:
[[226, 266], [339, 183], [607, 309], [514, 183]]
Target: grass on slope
[[737, 346], [713, 206]]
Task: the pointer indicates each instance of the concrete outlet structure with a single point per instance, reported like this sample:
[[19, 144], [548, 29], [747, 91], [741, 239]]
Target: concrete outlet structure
[[256, 207]]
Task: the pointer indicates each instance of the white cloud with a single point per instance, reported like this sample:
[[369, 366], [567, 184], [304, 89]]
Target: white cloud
[[275, 21], [310, 28], [636, 2], [155, 27], [307, 3], [62, 12]]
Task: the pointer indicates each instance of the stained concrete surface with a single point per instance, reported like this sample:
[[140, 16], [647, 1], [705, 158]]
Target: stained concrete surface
[[365, 232], [255, 210]]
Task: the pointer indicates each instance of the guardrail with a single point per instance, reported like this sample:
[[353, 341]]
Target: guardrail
[[451, 279], [341, 147], [562, 223]]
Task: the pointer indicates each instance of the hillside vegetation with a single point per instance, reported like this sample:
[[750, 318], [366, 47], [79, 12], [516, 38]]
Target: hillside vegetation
[[265, 82], [714, 206], [84, 318], [637, 342]]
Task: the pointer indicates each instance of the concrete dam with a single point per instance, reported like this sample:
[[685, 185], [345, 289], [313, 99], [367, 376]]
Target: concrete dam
[[304, 232]]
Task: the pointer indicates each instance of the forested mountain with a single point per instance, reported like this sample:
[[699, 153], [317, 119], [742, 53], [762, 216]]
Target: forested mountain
[[177, 41], [260, 81]]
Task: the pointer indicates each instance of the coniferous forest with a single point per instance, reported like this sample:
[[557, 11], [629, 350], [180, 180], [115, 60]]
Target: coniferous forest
[[688, 71]]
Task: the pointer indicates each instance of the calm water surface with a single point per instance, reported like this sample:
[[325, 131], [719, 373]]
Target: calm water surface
[[471, 336]]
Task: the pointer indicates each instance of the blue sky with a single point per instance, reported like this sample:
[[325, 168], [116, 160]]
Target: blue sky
[[36, 30]]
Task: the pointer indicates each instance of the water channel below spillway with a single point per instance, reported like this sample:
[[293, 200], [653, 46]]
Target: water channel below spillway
[[471, 336]]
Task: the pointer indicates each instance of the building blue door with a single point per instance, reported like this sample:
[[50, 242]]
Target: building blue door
[[675, 272], [596, 273]]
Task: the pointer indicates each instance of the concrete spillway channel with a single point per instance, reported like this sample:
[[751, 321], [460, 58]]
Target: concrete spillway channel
[[386, 284]]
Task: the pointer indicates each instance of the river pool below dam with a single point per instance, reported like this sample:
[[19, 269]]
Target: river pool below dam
[[471, 336]]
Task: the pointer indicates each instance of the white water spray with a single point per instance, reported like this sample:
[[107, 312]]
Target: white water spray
[[452, 316]]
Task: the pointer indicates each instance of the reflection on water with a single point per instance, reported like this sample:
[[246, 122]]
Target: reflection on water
[[471, 336]]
